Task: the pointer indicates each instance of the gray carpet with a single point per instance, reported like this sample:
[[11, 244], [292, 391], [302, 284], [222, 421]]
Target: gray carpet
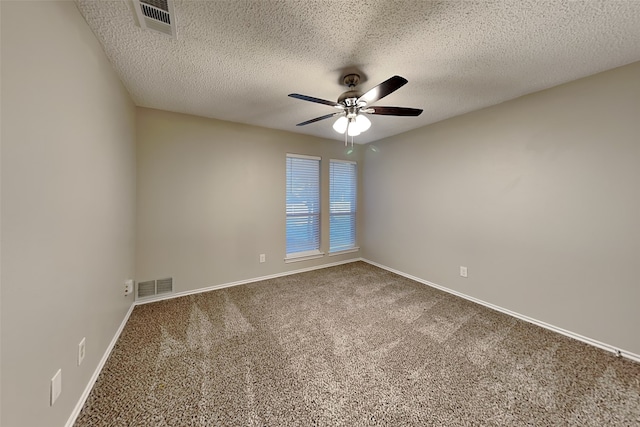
[[352, 345]]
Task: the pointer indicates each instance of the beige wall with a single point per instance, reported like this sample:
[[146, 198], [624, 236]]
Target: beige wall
[[68, 207], [539, 197], [211, 198]]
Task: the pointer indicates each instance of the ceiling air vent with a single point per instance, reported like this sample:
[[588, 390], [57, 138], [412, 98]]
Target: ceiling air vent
[[156, 15]]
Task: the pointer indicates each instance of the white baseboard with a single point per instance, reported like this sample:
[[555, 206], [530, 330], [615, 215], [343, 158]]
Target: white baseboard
[[94, 377], [241, 282], [596, 343], [96, 373]]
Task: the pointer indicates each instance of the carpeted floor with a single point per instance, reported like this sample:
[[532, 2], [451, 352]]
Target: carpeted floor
[[352, 345]]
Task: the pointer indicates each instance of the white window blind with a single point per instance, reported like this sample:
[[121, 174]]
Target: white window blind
[[303, 205], [342, 205]]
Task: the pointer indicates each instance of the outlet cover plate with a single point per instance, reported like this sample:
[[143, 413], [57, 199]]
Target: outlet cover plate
[[81, 351], [128, 287], [463, 271], [56, 386]]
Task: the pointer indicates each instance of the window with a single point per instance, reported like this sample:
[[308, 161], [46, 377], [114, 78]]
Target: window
[[342, 205], [303, 207]]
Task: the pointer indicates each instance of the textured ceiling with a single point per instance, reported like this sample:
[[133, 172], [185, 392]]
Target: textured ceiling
[[238, 60]]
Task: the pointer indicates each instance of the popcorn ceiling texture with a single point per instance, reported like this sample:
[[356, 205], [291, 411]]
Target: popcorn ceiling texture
[[352, 345], [237, 60]]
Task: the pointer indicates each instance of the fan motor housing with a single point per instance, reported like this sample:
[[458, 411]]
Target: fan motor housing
[[349, 97]]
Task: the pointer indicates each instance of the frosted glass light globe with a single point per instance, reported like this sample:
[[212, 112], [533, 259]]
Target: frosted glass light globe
[[340, 125]]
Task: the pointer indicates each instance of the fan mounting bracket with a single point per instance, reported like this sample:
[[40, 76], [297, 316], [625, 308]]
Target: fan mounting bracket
[[351, 80]]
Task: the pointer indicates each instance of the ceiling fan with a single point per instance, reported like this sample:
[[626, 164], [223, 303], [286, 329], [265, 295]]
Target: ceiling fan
[[354, 105]]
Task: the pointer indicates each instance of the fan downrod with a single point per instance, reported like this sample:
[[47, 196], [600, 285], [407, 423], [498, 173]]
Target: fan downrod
[[349, 97]]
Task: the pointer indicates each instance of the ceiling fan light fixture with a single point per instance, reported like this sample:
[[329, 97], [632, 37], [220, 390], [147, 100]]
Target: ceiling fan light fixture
[[353, 129], [340, 125], [362, 123], [355, 126]]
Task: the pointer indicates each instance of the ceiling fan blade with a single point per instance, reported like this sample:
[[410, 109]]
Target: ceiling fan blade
[[317, 100], [383, 89], [317, 119], [394, 111]]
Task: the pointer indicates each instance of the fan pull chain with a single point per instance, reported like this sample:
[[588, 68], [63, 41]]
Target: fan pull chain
[[346, 134]]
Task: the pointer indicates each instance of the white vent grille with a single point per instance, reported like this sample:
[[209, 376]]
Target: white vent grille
[[154, 287], [164, 285], [156, 15], [146, 289]]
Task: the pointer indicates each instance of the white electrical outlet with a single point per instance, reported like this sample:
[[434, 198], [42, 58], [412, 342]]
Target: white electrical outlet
[[463, 271], [263, 258], [128, 287], [56, 386], [81, 350]]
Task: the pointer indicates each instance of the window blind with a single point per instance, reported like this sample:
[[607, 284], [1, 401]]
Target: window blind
[[342, 205], [303, 204]]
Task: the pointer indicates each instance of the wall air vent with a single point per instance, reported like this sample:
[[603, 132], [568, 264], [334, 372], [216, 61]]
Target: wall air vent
[[156, 15], [154, 287], [146, 289], [164, 285]]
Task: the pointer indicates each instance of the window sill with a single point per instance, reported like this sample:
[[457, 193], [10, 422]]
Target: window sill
[[303, 256], [346, 251]]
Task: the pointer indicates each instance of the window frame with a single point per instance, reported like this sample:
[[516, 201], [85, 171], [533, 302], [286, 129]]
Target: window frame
[[317, 213], [353, 208]]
